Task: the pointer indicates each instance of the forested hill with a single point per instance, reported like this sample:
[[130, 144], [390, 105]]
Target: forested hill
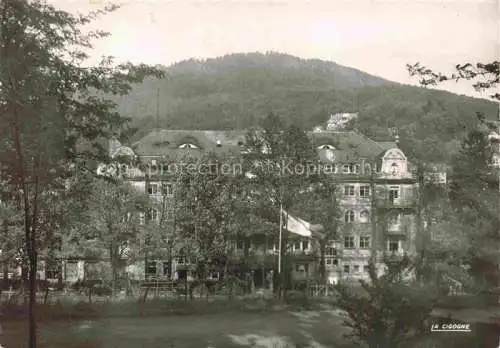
[[234, 91]]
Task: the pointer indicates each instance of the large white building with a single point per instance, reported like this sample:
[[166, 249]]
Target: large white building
[[378, 189]]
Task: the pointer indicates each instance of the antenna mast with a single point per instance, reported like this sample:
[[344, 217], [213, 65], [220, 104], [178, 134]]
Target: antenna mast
[[157, 109]]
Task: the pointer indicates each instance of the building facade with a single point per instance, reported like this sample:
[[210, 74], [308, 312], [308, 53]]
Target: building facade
[[378, 190]]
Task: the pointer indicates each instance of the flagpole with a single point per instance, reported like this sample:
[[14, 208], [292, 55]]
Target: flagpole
[[279, 246]]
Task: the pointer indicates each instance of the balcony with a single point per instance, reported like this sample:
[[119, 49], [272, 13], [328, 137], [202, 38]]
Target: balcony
[[356, 253], [395, 229], [398, 176], [405, 198], [395, 255]]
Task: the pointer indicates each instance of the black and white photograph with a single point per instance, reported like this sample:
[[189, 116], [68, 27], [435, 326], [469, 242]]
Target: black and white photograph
[[249, 174]]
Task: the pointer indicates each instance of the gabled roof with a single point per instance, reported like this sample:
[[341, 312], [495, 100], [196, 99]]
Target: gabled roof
[[163, 142], [386, 145], [349, 145]]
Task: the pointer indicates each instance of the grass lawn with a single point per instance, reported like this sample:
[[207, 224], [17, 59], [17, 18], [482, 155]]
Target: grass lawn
[[321, 328]]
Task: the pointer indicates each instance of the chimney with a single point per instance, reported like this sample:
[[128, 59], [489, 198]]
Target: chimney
[[396, 139]]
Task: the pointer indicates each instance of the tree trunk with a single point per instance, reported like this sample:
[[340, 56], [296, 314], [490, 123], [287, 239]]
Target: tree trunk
[[24, 286], [284, 283], [6, 272], [32, 263], [46, 295], [32, 299], [322, 269], [90, 288], [115, 266]]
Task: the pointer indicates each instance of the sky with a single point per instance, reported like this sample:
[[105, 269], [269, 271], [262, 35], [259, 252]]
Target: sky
[[378, 37]]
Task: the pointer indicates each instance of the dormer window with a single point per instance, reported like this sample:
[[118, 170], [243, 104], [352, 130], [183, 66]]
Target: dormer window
[[351, 168], [394, 162], [394, 169], [241, 143], [219, 143], [326, 147], [188, 146], [161, 143]]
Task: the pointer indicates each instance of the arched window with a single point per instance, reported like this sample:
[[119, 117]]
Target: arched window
[[364, 216], [349, 216], [188, 146], [326, 147]]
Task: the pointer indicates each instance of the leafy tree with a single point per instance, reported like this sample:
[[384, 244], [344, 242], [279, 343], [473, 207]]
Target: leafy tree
[[474, 195], [279, 158], [474, 184], [388, 310], [484, 75], [474, 188], [48, 116], [319, 204], [114, 212], [204, 215], [11, 242]]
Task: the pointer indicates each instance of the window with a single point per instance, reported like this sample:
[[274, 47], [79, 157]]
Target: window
[[328, 261], [393, 245], [356, 269], [349, 190], [364, 191], [151, 268], [305, 245], [330, 251], [169, 214], [351, 168], [153, 214], [188, 146], [302, 268], [126, 218], [296, 246], [393, 194], [153, 189], [240, 245], [168, 189], [167, 267], [53, 270], [366, 268], [394, 169], [326, 147], [349, 216], [364, 216], [394, 219], [364, 242], [347, 268], [349, 242]]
